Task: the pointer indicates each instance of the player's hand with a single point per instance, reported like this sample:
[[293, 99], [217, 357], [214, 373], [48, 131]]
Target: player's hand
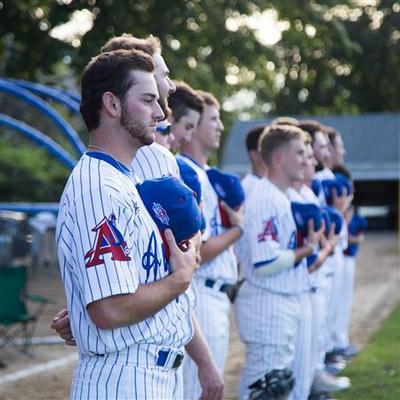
[[341, 203], [61, 325], [211, 381], [314, 237], [183, 263], [236, 217]]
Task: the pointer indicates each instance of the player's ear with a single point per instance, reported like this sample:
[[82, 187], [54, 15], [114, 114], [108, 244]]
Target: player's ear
[[111, 104]]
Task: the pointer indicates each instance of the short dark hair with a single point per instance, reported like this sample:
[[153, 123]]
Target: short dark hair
[[110, 71], [126, 41], [209, 99], [332, 133], [312, 127], [183, 99], [253, 136], [276, 136], [341, 169]]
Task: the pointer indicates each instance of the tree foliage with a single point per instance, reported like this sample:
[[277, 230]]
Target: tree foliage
[[332, 56]]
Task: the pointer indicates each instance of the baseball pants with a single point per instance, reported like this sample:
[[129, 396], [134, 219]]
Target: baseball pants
[[341, 334], [213, 315], [268, 324], [131, 374]]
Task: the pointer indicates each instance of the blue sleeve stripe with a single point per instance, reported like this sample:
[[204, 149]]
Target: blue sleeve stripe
[[262, 263]]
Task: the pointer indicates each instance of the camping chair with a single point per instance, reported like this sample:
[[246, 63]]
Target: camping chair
[[16, 322]]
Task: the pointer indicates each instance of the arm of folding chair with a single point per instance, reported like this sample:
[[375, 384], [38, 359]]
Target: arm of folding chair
[[35, 298]]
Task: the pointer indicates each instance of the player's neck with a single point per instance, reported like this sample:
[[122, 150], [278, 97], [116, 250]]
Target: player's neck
[[279, 180], [195, 153], [109, 144]]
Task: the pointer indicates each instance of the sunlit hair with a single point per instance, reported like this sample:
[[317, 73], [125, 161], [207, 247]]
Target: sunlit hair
[[277, 136], [109, 72], [126, 41], [285, 121], [312, 127]]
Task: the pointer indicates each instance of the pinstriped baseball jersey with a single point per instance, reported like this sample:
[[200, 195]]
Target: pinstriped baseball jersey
[[270, 228], [249, 183], [318, 277], [224, 266], [108, 245], [154, 161]]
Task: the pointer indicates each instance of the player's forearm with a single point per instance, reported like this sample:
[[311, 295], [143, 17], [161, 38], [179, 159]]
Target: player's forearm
[[215, 245], [302, 252], [129, 309], [198, 348]]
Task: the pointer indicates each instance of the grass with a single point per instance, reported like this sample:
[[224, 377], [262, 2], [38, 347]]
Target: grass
[[375, 373]]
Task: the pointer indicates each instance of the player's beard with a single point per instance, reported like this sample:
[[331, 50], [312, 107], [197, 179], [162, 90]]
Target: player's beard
[[135, 129]]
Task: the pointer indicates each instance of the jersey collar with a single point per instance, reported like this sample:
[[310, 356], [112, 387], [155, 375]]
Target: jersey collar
[[110, 160]]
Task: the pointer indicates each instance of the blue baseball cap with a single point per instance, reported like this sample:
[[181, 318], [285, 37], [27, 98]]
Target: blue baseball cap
[[335, 217], [342, 185], [316, 186], [190, 177], [173, 205], [304, 212], [227, 186], [357, 224]]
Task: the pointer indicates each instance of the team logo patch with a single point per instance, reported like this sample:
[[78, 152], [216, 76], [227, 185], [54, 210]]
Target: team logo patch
[[150, 259], [269, 232], [108, 240], [160, 213]]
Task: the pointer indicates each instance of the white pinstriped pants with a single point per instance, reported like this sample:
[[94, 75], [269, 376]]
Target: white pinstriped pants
[[114, 377], [213, 312], [268, 324], [343, 318]]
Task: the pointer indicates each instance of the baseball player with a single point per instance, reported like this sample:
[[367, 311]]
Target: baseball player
[[186, 109], [249, 182], [104, 236], [331, 271], [310, 347], [210, 378], [259, 169], [219, 268], [268, 305]]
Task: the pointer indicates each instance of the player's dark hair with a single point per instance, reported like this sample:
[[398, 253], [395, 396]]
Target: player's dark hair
[[277, 136], [332, 134], [126, 41], [150, 45], [312, 127], [341, 169], [209, 99], [184, 99], [253, 136], [109, 72]]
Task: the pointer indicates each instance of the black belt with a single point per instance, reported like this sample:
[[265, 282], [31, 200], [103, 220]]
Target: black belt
[[210, 283]]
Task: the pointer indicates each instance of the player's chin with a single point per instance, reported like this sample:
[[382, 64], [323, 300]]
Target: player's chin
[[148, 138]]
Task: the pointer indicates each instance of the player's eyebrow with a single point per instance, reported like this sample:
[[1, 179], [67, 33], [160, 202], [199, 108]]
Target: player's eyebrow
[[152, 95]]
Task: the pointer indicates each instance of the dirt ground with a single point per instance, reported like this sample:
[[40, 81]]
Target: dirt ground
[[376, 294]]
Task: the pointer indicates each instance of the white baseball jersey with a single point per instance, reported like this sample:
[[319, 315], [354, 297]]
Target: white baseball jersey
[[270, 228], [154, 161], [224, 266], [109, 245], [249, 183]]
